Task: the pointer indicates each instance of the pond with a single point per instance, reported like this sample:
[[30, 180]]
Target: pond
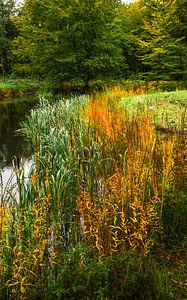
[[12, 113]]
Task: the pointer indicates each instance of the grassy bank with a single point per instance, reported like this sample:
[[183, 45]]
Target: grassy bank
[[103, 214], [166, 110], [18, 87]]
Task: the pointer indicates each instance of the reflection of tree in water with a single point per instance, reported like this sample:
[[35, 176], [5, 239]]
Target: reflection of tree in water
[[11, 144], [3, 151]]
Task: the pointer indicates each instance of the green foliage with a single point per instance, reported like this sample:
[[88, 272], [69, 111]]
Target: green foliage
[[124, 276], [174, 220], [88, 44], [134, 15], [166, 109], [161, 48], [7, 33], [69, 41], [18, 87]]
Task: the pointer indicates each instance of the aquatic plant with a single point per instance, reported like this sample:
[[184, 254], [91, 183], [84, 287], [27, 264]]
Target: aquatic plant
[[101, 178]]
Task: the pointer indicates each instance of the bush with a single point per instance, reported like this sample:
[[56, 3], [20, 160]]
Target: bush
[[124, 276], [175, 221]]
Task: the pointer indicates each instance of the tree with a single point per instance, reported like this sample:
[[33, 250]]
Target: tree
[[70, 40], [133, 16], [7, 8], [160, 49]]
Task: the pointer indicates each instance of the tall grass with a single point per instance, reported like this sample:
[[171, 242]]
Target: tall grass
[[100, 178]]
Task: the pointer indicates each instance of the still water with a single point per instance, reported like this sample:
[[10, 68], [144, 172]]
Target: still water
[[12, 113]]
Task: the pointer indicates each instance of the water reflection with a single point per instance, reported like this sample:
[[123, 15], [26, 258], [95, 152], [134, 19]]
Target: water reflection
[[11, 114], [9, 185]]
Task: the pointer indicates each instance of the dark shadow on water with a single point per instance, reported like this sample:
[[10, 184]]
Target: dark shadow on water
[[12, 113]]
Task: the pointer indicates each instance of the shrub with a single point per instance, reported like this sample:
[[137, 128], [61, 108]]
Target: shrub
[[124, 276]]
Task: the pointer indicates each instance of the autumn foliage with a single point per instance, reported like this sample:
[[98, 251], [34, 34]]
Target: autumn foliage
[[101, 177]]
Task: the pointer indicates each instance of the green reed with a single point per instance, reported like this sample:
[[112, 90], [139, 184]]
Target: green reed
[[99, 177]]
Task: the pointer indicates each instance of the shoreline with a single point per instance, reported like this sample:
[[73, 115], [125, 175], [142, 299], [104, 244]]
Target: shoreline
[[18, 88]]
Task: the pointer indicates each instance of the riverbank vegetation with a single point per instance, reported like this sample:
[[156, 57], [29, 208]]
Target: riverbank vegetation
[[102, 214], [13, 88]]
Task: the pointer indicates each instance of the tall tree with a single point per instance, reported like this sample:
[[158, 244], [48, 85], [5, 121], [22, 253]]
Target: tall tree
[[160, 49], [70, 40], [7, 8], [134, 14]]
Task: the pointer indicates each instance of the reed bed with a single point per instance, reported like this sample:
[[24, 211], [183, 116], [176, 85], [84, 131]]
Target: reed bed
[[100, 178]]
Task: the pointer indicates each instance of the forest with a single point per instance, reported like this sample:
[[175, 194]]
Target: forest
[[101, 211], [93, 43]]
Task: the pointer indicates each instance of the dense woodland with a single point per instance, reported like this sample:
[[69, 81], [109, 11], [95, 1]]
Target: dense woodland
[[86, 42]]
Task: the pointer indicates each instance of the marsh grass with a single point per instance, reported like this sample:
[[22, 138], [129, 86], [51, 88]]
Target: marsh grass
[[101, 178], [167, 109]]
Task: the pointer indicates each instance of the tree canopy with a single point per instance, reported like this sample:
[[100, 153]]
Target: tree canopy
[[161, 46], [81, 41], [7, 32], [70, 40]]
